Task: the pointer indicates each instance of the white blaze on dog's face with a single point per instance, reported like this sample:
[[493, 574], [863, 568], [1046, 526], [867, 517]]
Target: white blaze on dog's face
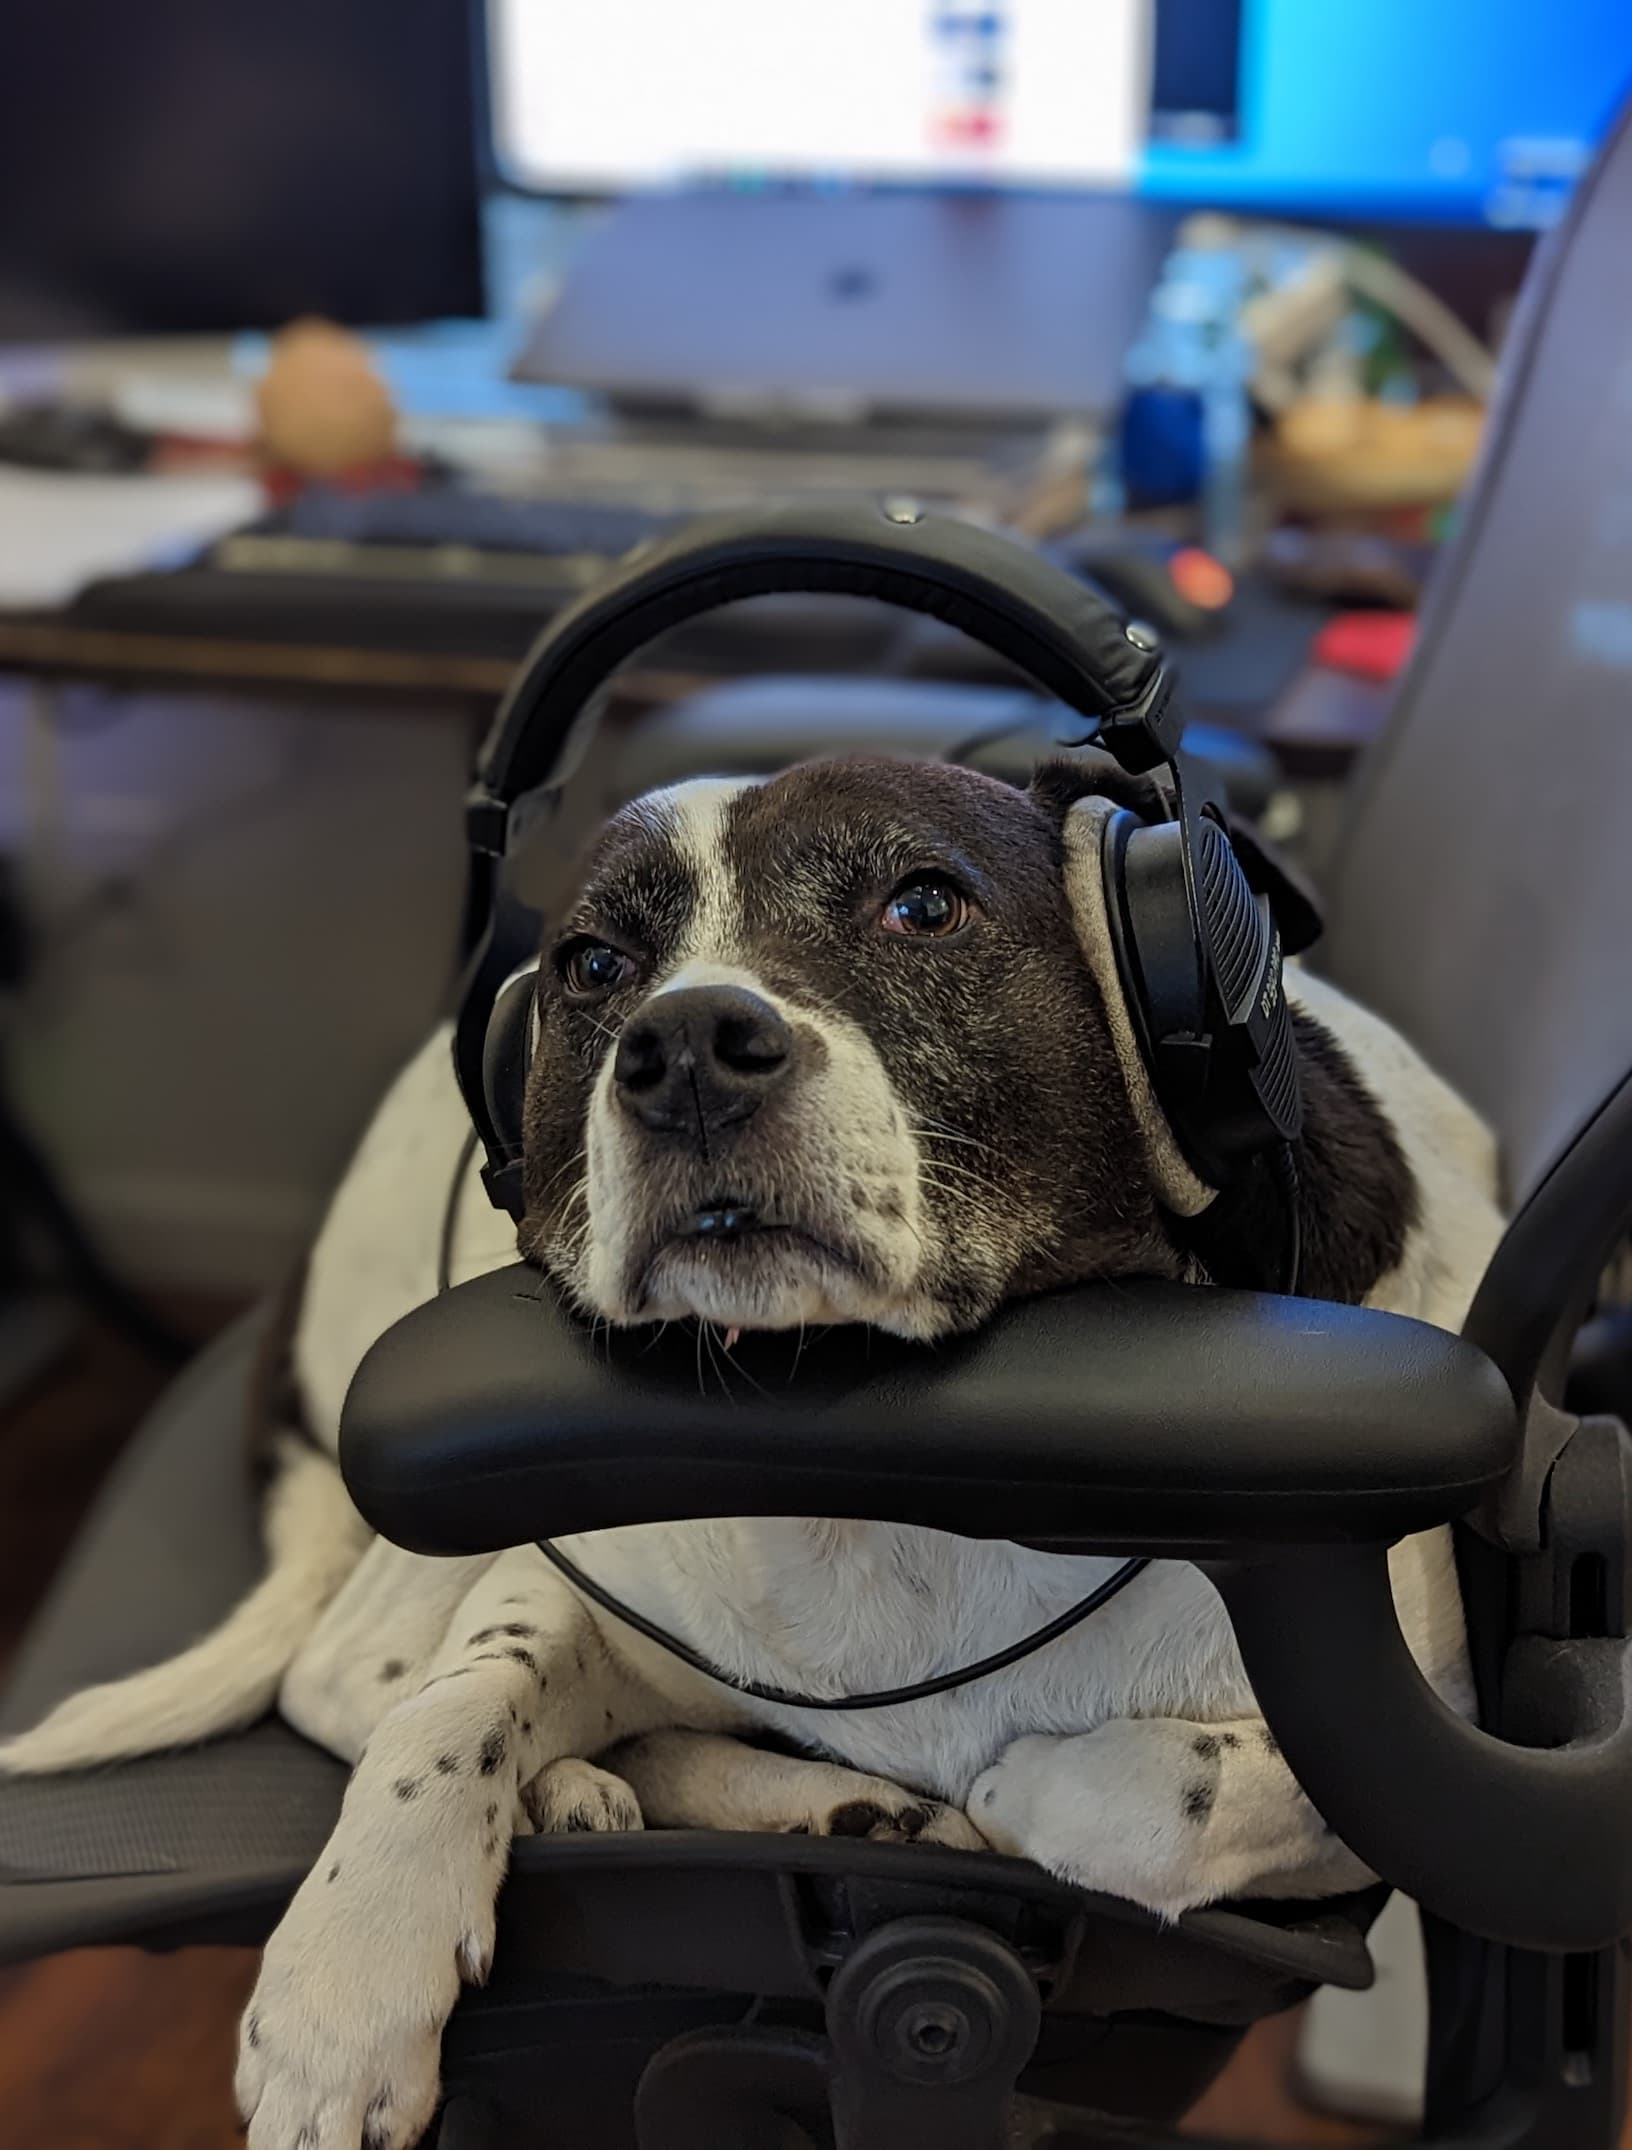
[[827, 1049]]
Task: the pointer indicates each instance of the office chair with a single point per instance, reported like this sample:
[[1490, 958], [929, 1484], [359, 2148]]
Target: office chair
[[693, 1992]]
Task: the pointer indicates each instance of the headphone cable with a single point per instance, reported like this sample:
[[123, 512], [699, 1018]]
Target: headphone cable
[[1284, 1165], [450, 1214], [885, 1698]]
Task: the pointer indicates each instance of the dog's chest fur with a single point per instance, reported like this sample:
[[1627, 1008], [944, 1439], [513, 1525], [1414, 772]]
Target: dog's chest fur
[[835, 1608]]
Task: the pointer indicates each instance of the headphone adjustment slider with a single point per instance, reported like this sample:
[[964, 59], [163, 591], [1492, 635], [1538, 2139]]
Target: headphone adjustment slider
[[487, 820]]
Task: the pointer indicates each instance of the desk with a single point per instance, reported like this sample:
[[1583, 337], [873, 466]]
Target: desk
[[1251, 680], [46, 648]]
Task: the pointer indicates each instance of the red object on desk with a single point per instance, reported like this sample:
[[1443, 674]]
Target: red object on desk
[[1368, 645], [393, 474]]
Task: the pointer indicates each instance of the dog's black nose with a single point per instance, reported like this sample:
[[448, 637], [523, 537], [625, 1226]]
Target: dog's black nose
[[699, 1060]]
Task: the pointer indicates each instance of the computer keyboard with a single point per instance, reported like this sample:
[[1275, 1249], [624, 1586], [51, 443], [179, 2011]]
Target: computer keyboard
[[449, 515], [441, 535]]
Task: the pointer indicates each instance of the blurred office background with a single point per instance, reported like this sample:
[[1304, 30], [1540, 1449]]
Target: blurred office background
[[606, 265], [343, 341]]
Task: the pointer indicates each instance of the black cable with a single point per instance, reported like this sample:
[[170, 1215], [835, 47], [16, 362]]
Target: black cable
[[1284, 1164], [450, 1214], [943, 1683]]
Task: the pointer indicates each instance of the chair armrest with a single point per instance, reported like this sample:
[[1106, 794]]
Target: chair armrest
[[1152, 1417]]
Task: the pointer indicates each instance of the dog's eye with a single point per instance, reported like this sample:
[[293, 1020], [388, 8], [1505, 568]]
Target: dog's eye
[[928, 905], [590, 967]]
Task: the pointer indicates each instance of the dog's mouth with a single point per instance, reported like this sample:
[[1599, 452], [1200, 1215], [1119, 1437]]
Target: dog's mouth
[[727, 1243]]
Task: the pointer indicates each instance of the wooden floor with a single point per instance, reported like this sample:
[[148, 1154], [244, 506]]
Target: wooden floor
[[113, 2050]]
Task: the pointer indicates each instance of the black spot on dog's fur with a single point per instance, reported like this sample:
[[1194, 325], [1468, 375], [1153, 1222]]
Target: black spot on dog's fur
[[1207, 1748], [494, 1748], [526, 1728], [1267, 1740], [334, 1872], [765, 1740], [393, 1669], [1199, 1797], [447, 1765], [252, 2033], [1357, 1196], [376, 2133], [492, 1815], [857, 1817], [306, 2136], [520, 1656], [407, 1787]]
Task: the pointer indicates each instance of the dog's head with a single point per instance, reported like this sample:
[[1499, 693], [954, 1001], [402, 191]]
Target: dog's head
[[844, 1046]]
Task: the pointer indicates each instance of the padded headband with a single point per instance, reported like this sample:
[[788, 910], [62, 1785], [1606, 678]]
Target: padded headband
[[1022, 607]]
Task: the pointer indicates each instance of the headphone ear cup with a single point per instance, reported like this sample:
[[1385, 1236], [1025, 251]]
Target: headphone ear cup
[[1244, 950], [1154, 937], [1204, 992], [507, 1053]]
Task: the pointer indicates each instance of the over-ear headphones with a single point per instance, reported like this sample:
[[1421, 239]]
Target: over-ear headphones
[[1199, 953]]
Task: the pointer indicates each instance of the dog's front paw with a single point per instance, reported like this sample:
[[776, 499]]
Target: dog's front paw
[[572, 1796], [896, 1817], [311, 2082], [340, 2047]]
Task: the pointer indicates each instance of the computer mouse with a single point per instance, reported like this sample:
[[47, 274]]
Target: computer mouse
[[1182, 591]]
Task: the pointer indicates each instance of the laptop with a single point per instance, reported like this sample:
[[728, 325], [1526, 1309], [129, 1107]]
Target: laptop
[[857, 306]]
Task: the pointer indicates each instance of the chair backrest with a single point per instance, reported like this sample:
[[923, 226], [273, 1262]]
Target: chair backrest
[[1482, 898]]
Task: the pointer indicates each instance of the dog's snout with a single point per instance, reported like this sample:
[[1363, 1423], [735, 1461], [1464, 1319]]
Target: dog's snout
[[696, 1061]]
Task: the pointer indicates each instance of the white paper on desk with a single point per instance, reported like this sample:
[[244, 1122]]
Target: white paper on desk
[[61, 529]]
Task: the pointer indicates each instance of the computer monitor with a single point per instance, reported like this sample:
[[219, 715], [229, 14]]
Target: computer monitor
[[1449, 111], [169, 166], [625, 94], [1394, 111]]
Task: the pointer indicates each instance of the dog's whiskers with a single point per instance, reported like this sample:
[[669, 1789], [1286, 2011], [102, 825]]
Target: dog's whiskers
[[938, 1131], [950, 1178], [572, 1162]]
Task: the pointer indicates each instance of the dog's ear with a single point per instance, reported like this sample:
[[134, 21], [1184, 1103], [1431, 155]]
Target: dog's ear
[[1057, 785], [1061, 784]]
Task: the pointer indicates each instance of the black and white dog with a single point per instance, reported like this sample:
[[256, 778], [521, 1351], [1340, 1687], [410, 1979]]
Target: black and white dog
[[874, 1004]]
